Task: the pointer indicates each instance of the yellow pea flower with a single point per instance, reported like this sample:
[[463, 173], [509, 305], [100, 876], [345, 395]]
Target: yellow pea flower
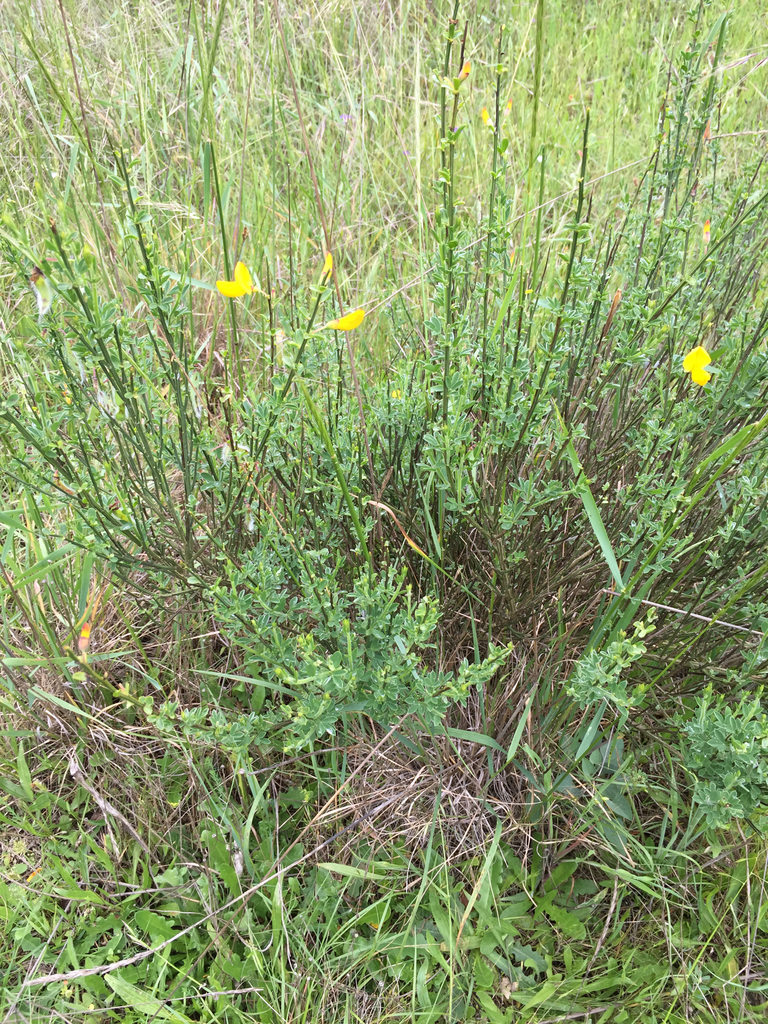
[[348, 322], [485, 116], [242, 285], [508, 108], [694, 364], [328, 265], [397, 394], [465, 71], [706, 232]]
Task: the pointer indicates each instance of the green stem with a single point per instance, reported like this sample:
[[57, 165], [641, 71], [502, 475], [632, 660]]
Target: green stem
[[449, 210], [532, 143], [326, 439], [227, 265], [491, 209]]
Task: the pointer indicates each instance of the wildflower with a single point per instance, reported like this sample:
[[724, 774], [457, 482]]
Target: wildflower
[[242, 285], [328, 265], [41, 286], [348, 322], [694, 364], [486, 117], [85, 638], [397, 394], [465, 71], [508, 108], [706, 232]]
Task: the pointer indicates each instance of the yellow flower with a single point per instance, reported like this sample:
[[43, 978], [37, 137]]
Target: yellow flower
[[508, 108], [348, 322], [397, 393], [328, 265], [694, 364], [485, 116], [242, 285], [706, 233], [465, 71]]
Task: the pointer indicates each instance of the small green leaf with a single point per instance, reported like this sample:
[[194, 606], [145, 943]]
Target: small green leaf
[[485, 976], [568, 923], [475, 737], [144, 1002], [349, 871]]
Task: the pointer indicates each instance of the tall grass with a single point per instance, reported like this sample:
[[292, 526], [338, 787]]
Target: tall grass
[[412, 673]]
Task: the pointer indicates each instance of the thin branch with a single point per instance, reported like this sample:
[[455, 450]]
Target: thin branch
[[692, 615]]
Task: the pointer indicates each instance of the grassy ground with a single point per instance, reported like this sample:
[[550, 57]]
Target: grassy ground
[[414, 672]]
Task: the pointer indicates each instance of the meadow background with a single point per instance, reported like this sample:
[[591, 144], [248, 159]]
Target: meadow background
[[410, 673]]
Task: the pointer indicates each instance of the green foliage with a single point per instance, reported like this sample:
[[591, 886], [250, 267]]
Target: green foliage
[[727, 751], [324, 689], [363, 655], [598, 676]]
